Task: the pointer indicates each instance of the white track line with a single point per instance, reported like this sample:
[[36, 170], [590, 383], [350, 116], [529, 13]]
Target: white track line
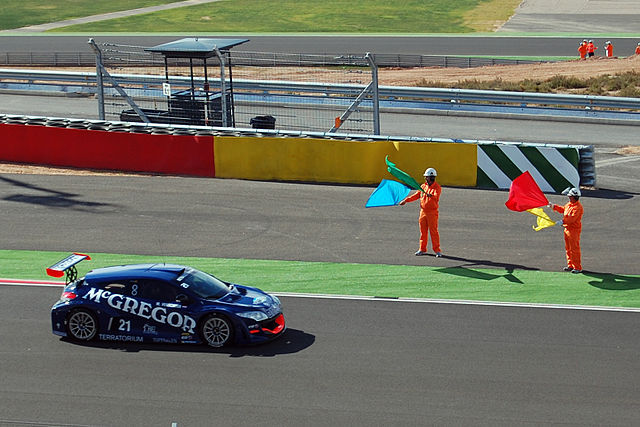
[[459, 302], [405, 300], [616, 160]]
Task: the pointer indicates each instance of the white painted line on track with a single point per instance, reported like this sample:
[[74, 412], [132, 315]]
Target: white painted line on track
[[31, 285], [38, 423], [460, 302], [19, 282], [10, 282], [616, 160]]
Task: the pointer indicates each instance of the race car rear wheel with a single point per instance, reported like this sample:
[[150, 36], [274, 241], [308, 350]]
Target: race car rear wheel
[[82, 325], [216, 331]]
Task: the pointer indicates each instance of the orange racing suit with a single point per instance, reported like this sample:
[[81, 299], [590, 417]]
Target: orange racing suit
[[609, 49], [572, 223], [428, 219], [582, 49]]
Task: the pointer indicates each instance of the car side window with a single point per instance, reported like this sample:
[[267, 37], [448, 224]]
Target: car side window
[[116, 287], [127, 288], [157, 290]]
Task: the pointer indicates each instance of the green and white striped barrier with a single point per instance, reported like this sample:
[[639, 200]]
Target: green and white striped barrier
[[553, 167]]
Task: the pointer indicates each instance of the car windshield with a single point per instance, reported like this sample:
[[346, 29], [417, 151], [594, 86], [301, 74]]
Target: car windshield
[[202, 284]]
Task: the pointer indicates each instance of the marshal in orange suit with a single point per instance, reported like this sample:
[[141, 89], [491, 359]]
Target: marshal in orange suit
[[572, 223], [429, 201]]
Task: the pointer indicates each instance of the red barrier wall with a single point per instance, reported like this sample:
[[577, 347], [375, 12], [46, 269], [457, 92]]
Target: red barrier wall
[[94, 149]]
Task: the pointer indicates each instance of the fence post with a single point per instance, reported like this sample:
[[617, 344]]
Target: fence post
[[223, 89], [99, 83], [376, 97]]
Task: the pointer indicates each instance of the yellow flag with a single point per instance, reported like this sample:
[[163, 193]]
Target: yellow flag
[[543, 219]]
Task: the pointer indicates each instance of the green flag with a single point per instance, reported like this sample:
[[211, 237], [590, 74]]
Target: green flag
[[402, 176]]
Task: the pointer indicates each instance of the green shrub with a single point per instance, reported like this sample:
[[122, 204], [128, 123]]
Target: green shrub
[[624, 84], [629, 92], [566, 82]]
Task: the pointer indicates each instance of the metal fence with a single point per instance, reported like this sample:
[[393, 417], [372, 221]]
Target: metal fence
[[87, 59], [187, 91]]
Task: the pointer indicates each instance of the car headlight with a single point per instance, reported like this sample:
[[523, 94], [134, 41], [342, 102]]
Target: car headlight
[[260, 300], [255, 315], [275, 299]]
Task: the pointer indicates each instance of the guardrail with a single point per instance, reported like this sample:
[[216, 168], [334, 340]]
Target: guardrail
[[85, 82]]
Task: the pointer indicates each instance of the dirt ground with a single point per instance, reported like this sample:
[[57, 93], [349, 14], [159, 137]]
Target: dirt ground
[[409, 77], [514, 73], [582, 69], [390, 76]]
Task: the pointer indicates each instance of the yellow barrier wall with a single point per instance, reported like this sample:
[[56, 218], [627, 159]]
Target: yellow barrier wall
[[336, 161]]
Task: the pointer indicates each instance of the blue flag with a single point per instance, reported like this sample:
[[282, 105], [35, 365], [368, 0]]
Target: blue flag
[[388, 193]]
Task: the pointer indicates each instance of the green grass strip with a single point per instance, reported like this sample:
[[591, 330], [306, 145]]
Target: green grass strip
[[304, 16], [20, 13], [401, 281]]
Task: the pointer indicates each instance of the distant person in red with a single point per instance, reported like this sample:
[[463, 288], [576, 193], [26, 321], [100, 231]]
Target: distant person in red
[[591, 48], [582, 50], [608, 47], [638, 49]]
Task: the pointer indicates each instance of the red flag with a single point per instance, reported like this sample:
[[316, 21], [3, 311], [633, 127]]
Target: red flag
[[525, 194]]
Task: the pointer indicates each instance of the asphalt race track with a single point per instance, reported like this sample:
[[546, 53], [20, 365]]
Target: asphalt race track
[[341, 362], [463, 45], [358, 363], [178, 216]]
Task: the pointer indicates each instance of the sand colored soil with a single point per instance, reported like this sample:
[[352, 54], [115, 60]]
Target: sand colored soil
[[514, 73]]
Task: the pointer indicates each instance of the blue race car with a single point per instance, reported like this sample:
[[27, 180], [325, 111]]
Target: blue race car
[[161, 303]]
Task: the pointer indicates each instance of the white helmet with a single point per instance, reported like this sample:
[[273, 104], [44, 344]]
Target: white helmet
[[430, 172], [572, 191]]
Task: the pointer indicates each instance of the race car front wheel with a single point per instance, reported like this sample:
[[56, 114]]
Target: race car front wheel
[[216, 331], [82, 325]]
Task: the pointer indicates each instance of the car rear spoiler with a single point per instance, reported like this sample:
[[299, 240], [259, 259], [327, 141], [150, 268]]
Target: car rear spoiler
[[68, 266]]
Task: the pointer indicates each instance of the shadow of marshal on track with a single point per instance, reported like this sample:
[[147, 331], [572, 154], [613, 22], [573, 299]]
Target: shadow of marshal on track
[[613, 282], [464, 270]]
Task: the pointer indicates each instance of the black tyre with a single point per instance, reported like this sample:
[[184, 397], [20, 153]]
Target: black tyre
[[216, 331], [82, 325]]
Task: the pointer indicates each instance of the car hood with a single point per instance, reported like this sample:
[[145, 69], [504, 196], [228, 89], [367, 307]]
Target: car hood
[[248, 297]]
